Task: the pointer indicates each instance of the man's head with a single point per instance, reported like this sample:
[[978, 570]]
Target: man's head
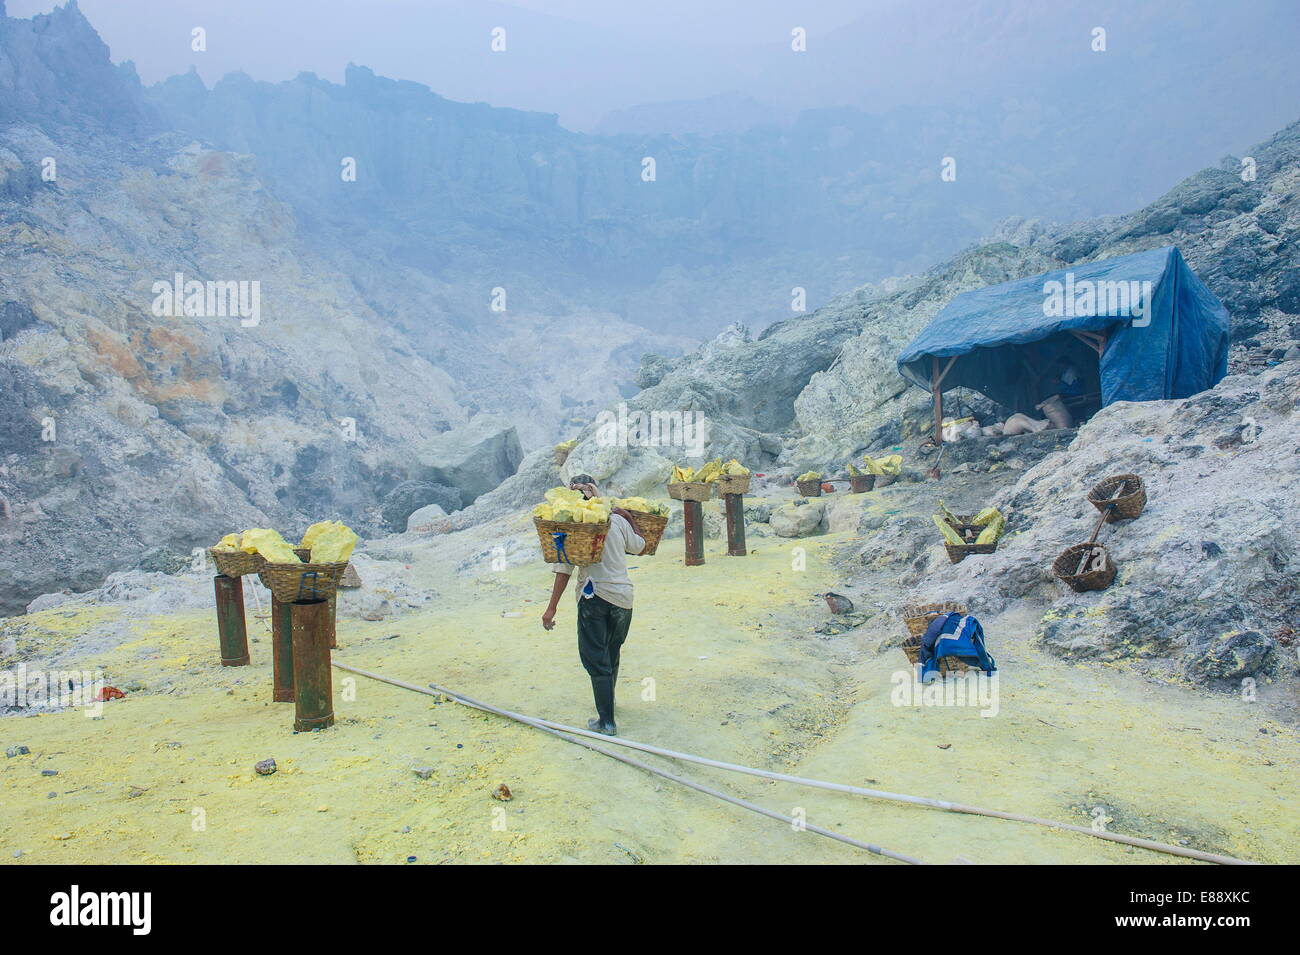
[[586, 484]]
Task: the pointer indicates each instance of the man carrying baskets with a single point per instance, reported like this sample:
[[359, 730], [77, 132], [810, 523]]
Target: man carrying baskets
[[604, 605]]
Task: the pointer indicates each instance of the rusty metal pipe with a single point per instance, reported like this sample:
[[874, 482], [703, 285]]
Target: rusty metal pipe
[[693, 517], [314, 706], [281, 651], [735, 525], [231, 629]]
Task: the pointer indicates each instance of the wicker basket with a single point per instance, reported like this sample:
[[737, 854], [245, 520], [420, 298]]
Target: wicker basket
[[1130, 502], [690, 491], [349, 579], [918, 617], [1067, 565], [651, 527], [561, 455], [292, 582], [579, 544], [236, 563], [959, 552], [810, 488], [861, 483], [912, 649], [733, 484]]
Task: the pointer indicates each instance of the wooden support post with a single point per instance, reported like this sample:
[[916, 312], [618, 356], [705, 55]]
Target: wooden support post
[[314, 706], [938, 400], [735, 525], [693, 516], [231, 629], [936, 386], [281, 651]]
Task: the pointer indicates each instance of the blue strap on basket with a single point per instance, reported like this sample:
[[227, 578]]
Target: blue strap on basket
[[307, 585], [559, 538]]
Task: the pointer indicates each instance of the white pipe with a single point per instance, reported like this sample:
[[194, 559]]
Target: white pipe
[[700, 787], [814, 783]]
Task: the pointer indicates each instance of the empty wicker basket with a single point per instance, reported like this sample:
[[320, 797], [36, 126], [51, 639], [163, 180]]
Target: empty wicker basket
[[690, 491], [1066, 567], [578, 544], [1129, 504], [810, 488], [733, 484], [651, 527], [236, 563]]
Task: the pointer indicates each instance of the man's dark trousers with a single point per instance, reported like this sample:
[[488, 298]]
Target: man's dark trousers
[[602, 628]]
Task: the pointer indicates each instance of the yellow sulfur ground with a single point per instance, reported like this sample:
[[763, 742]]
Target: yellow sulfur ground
[[167, 776]]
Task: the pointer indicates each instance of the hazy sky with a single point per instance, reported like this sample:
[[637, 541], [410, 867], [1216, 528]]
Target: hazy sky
[[579, 58], [1231, 62]]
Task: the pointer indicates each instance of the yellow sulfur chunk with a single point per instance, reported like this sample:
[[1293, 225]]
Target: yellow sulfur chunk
[[891, 464], [949, 532], [709, 472], [734, 468], [228, 543], [268, 543], [313, 532], [810, 476], [334, 545], [642, 505]]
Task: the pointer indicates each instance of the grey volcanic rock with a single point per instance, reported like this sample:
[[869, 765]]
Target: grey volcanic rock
[[474, 458], [427, 517], [536, 475], [1207, 574], [411, 496], [740, 393], [801, 519]]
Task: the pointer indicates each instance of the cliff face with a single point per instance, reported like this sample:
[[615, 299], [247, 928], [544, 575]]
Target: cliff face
[[55, 72], [177, 359]]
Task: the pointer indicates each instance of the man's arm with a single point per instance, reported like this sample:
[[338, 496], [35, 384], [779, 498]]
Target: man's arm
[[557, 591]]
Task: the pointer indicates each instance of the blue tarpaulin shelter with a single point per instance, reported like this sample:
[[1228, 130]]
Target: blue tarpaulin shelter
[[1137, 328]]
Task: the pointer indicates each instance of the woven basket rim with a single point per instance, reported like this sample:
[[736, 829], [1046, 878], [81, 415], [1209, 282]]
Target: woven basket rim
[[602, 526], [698, 491], [1072, 553], [1100, 490]]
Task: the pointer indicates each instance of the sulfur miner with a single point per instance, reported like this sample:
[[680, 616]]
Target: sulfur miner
[[604, 605]]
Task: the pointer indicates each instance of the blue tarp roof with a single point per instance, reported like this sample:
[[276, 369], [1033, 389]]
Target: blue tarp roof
[[1166, 333]]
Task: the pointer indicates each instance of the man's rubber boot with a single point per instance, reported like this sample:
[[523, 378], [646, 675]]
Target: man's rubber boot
[[602, 688]]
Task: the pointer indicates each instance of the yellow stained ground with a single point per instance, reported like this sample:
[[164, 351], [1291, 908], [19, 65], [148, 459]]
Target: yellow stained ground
[[737, 675]]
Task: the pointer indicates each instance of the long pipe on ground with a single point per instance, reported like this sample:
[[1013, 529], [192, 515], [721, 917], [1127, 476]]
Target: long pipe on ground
[[814, 783], [699, 787]]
